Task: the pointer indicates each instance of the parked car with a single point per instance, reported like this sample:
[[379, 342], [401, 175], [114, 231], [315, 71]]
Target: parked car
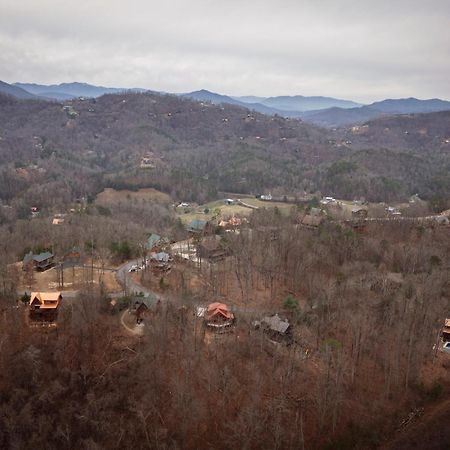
[[446, 347], [133, 268]]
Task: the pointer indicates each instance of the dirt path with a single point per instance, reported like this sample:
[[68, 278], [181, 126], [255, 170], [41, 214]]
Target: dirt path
[[246, 205], [131, 286], [136, 331]]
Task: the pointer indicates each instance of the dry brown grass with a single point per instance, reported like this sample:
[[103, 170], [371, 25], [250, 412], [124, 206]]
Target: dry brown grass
[[227, 211], [74, 279], [112, 197]]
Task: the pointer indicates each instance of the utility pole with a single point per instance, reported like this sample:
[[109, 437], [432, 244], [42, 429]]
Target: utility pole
[[60, 275], [92, 260]]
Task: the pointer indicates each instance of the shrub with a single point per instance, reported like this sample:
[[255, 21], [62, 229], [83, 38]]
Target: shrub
[[25, 298], [290, 303]]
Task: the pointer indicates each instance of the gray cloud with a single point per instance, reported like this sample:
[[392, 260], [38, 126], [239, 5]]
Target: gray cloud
[[362, 50]]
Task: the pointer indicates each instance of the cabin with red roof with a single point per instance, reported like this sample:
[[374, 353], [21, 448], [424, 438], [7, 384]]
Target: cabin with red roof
[[218, 316]]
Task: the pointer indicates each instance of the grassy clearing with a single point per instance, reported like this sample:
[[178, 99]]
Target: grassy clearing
[[112, 197], [74, 279], [267, 205], [227, 211]]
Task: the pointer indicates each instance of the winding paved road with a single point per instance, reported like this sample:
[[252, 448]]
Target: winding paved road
[[128, 284], [123, 277]]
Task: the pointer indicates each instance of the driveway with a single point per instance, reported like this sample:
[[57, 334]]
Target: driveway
[[137, 330], [128, 284]]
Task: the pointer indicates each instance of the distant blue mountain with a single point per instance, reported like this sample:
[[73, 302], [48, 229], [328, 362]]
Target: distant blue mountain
[[314, 109], [334, 117], [207, 96], [323, 111], [301, 103], [15, 91], [59, 96], [250, 99], [274, 105], [66, 91], [410, 105]]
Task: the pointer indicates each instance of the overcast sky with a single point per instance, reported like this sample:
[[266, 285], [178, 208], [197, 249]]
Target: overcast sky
[[362, 50]]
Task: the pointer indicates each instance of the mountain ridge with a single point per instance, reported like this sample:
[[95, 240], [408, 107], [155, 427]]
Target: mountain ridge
[[15, 91], [307, 103], [340, 113], [336, 117], [66, 91]]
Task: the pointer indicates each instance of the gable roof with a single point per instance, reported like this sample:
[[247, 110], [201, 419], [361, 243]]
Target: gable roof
[[161, 256], [211, 243], [153, 240], [46, 300], [276, 324], [37, 258], [145, 301], [197, 225], [312, 221], [219, 309], [42, 256]]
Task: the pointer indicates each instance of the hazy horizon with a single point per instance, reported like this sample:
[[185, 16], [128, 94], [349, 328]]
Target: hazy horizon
[[363, 52], [337, 97]]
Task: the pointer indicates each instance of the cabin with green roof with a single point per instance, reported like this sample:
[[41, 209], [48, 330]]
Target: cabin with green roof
[[40, 262], [153, 241], [197, 226]]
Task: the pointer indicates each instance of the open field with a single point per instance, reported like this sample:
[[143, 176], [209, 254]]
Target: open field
[[74, 279], [111, 197], [227, 211], [342, 210]]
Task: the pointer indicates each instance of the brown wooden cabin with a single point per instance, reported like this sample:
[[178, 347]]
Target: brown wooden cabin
[[359, 213], [212, 248], [200, 227], [312, 222], [231, 224], [446, 331], [44, 306], [160, 262], [275, 328], [218, 317], [40, 262], [144, 307]]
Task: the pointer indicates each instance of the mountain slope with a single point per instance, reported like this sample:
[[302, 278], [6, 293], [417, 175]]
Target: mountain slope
[[198, 150], [410, 105], [249, 99], [301, 103], [15, 91], [65, 91], [207, 96], [288, 106], [218, 99], [59, 96], [335, 117]]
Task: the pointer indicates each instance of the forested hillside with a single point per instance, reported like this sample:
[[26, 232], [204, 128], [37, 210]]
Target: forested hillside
[[196, 149]]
